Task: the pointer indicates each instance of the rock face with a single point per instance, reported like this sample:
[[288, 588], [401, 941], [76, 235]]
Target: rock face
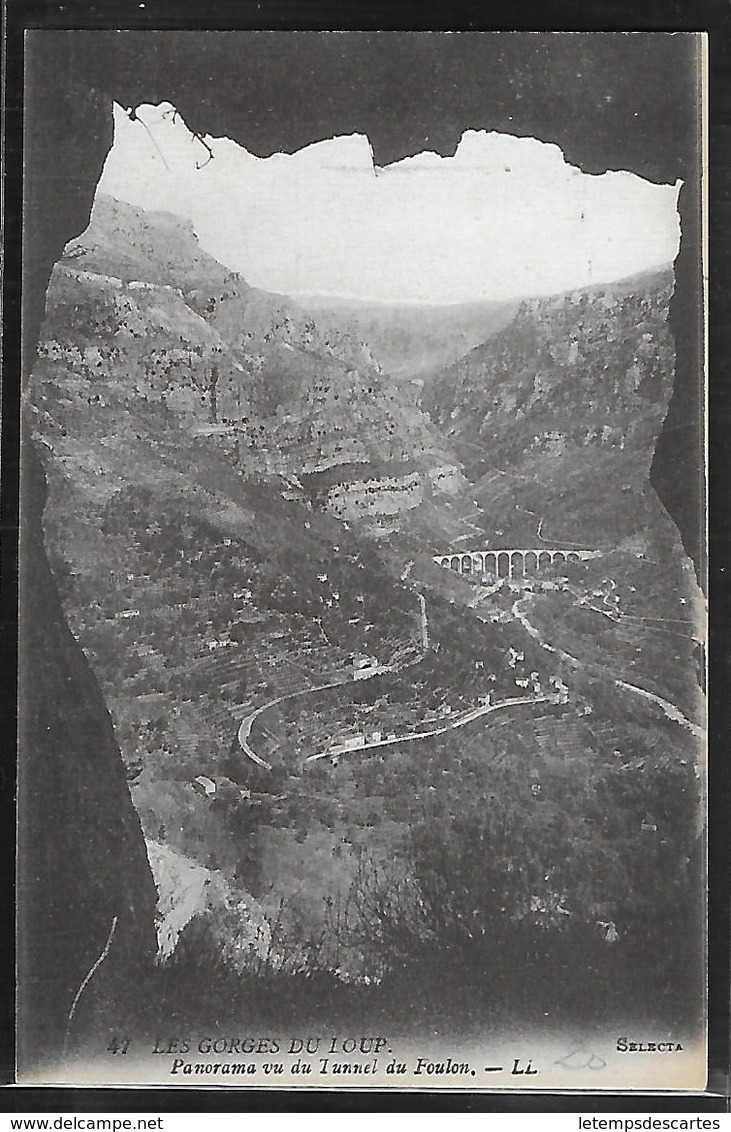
[[562, 408], [137, 302], [84, 880], [388, 495], [83, 858], [139, 317], [411, 342], [83, 862]]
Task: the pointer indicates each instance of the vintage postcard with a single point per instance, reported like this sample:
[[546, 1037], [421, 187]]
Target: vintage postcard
[[362, 654]]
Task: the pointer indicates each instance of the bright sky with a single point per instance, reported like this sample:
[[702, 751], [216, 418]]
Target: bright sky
[[504, 217]]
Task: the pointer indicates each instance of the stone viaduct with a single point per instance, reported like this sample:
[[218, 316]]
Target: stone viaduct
[[510, 563]]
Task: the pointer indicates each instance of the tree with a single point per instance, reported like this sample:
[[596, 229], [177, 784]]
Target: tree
[[212, 383]]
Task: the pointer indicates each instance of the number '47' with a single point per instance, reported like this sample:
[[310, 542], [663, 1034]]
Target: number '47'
[[118, 1046]]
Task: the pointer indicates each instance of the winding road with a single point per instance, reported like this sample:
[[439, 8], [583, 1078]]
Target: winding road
[[670, 710], [464, 718], [245, 728]]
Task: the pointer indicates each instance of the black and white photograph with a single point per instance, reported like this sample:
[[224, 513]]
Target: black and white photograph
[[362, 616]]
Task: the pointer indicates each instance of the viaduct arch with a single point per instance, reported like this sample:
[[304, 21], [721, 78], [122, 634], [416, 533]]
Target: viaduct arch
[[509, 562]]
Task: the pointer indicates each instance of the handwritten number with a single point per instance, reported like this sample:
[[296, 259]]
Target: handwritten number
[[579, 1057]]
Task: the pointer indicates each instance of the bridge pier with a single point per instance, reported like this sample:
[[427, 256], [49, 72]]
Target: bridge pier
[[510, 562]]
